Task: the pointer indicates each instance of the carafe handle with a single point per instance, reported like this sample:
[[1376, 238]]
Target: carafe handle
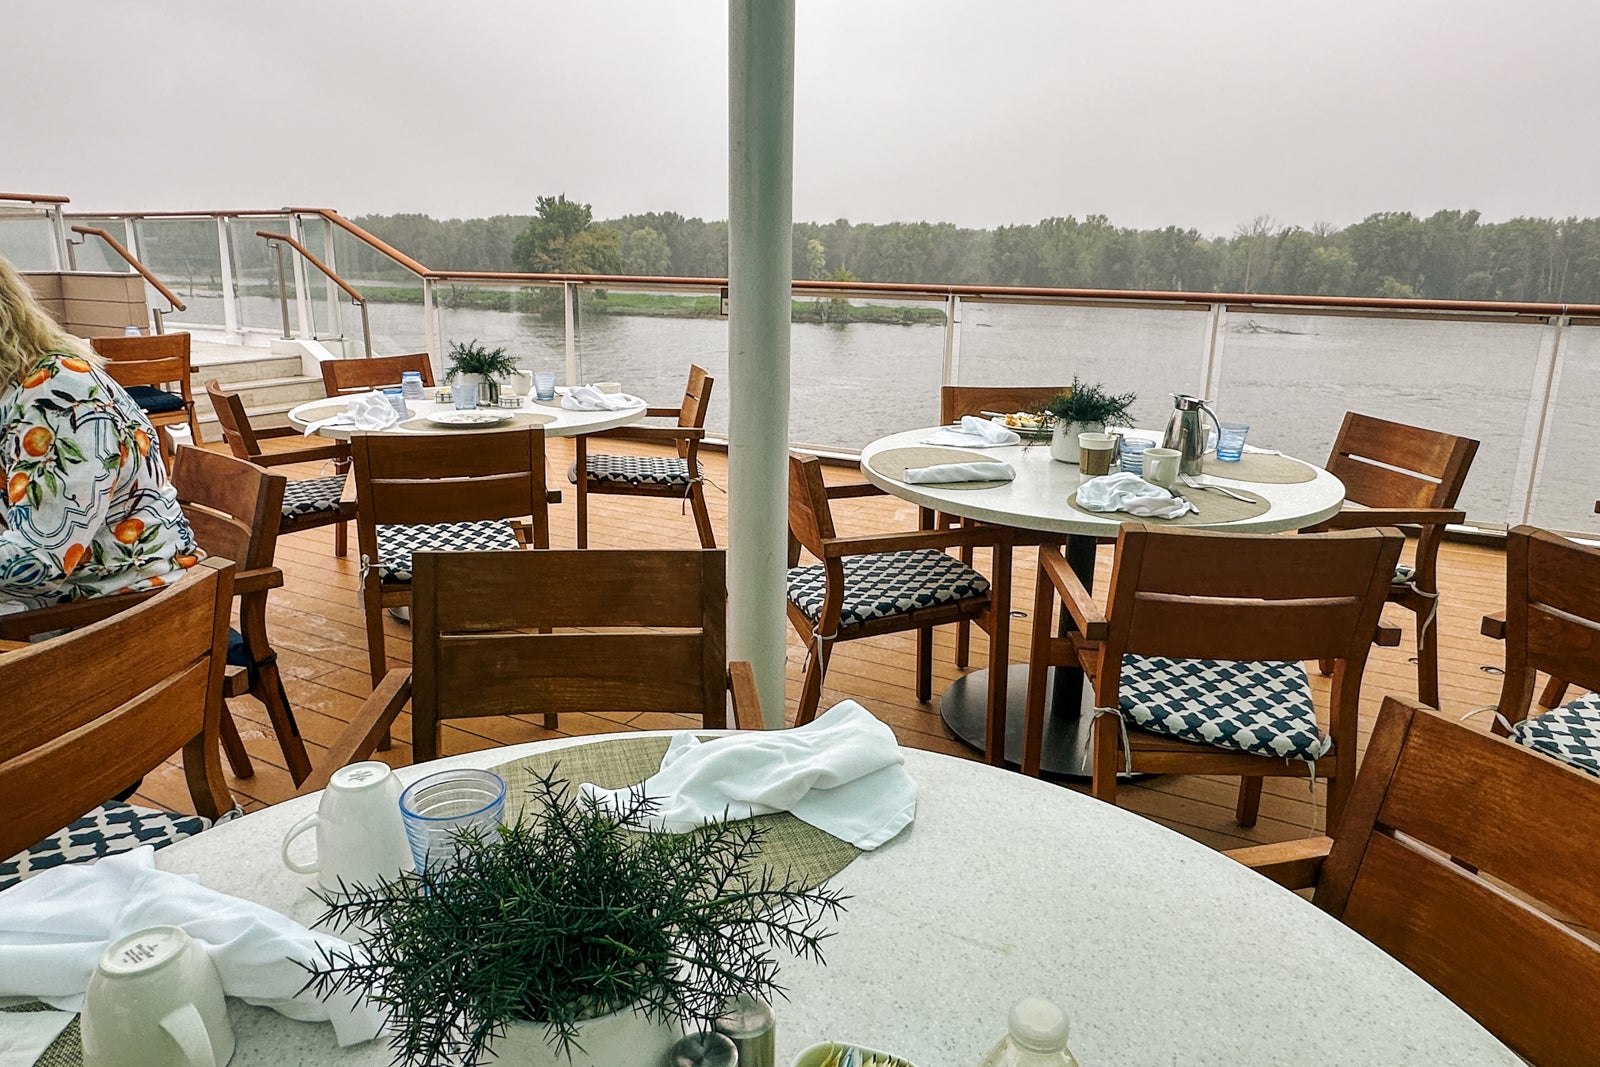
[[1212, 415]]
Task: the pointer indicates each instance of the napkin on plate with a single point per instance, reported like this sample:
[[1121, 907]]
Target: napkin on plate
[[588, 398], [960, 472], [974, 433], [55, 925], [842, 772], [1128, 492], [368, 411]]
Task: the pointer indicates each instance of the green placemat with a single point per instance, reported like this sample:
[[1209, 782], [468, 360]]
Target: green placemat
[[1214, 508], [787, 846], [1259, 467], [894, 462], [66, 1050]]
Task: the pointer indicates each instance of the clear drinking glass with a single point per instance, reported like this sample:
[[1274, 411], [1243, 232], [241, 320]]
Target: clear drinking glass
[[544, 385], [1230, 442], [464, 395], [1133, 454], [438, 808]]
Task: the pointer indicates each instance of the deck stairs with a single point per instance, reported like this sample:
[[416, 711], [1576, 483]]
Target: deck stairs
[[270, 382]]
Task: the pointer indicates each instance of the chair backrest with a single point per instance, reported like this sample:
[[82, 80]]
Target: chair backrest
[[360, 375], [1465, 857], [233, 505], [406, 479], [958, 400], [234, 421], [154, 360], [810, 517], [1552, 615], [696, 398], [473, 653], [1391, 465], [89, 712]]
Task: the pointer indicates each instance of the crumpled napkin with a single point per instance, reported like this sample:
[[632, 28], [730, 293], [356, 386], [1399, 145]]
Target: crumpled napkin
[[367, 411], [588, 398], [960, 472], [843, 773], [974, 433], [55, 925], [1128, 492]]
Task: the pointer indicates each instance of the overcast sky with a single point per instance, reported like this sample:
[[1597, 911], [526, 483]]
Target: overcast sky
[[1152, 112]]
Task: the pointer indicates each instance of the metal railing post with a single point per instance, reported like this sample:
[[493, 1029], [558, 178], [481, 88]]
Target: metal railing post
[[366, 329], [59, 247], [569, 300], [230, 299], [302, 283], [283, 288], [1536, 425], [431, 338], [950, 374], [1211, 352]]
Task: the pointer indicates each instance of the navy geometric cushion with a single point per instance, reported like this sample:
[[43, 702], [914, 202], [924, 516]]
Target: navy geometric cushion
[[636, 470], [1570, 733], [111, 828], [1403, 575], [1254, 706], [311, 495], [888, 583], [155, 401], [396, 543]]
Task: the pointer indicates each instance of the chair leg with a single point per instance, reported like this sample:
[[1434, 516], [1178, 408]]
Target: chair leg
[[1038, 673], [1249, 805], [1428, 659], [1324, 667], [702, 517], [811, 687], [377, 652], [341, 539], [1103, 785], [1555, 692], [964, 628], [269, 690], [580, 476], [233, 746], [925, 664]]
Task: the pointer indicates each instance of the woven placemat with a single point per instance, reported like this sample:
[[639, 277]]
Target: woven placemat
[[894, 462], [788, 846], [66, 1050], [1214, 508], [1259, 467], [420, 424]]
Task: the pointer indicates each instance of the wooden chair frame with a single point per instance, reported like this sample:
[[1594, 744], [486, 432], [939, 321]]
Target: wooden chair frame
[[158, 361], [373, 372], [686, 436], [811, 526], [1412, 477], [91, 711], [1192, 594], [1465, 857]]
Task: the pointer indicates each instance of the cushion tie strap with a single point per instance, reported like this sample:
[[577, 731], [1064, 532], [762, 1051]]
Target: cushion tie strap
[[1499, 718], [1122, 731]]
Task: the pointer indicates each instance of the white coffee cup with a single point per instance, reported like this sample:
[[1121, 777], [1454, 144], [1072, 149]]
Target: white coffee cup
[[155, 1000], [360, 837], [1161, 466]]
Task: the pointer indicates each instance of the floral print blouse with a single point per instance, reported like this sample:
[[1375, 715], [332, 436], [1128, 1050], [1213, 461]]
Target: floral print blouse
[[87, 509]]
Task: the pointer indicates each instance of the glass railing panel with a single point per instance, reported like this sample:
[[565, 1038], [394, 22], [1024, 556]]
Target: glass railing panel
[[1293, 377], [255, 275], [27, 240], [526, 322], [1568, 484], [1148, 351], [184, 254], [91, 253]]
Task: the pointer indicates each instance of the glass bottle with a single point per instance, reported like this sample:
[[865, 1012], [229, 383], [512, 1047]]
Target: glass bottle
[[1036, 1036]]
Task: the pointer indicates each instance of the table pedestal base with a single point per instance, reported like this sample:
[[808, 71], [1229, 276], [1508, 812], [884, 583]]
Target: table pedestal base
[[964, 708]]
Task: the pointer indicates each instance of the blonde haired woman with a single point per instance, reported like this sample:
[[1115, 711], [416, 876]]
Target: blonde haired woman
[[85, 506]]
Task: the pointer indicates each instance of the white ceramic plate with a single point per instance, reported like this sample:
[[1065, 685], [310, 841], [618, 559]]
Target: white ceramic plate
[[1042, 430], [470, 418]]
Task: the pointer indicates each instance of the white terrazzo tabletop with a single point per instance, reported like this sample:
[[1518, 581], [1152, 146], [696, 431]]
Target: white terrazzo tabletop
[[1163, 952], [563, 423]]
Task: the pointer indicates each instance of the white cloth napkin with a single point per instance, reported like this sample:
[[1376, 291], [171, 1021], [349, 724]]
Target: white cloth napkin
[[1128, 492], [842, 772], [368, 411], [974, 433], [55, 925], [24, 1035], [960, 472], [588, 398]]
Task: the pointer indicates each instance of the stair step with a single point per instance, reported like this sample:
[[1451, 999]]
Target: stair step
[[240, 369], [267, 391]]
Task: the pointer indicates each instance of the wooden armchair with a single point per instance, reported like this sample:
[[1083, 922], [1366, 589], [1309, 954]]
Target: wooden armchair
[[148, 367], [675, 478], [483, 643], [1196, 659], [890, 583], [445, 492], [1467, 858], [361, 375], [89, 712], [1405, 476], [307, 502]]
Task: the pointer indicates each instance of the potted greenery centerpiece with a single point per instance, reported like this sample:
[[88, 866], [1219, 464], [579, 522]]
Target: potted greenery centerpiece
[[1084, 409], [577, 934], [471, 363]]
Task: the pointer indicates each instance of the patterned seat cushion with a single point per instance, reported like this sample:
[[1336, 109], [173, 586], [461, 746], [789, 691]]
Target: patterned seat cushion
[[1570, 733], [888, 583], [636, 470], [1403, 575], [1253, 706], [311, 495], [396, 543], [113, 827], [153, 401]]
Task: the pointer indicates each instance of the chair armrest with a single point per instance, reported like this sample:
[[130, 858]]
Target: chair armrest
[[301, 455], [1085, 612], [1494, 626], [1363, 518], [1387, 636], [1292, 864], [360, 736], [976, 536], [662, 413], [22, 625], [257, 581], [278, 431], [652, 433], [746, 701], [853, 489]]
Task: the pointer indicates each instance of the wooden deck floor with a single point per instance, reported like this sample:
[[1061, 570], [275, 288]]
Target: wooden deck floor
[[316, 626]]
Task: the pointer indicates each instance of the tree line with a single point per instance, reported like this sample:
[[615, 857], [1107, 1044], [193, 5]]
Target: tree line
[[1451, 255]]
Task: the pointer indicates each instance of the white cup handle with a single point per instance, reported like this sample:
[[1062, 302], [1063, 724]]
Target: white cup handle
[[189, 1030], [307, 823]]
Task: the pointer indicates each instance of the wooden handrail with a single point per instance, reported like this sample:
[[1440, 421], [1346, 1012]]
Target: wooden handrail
[[376, 243], [315, 262], [144, 272], [35, 198]]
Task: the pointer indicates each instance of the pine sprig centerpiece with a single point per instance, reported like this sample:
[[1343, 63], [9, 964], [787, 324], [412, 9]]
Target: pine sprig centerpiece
[[573, 912], [1092, 404]]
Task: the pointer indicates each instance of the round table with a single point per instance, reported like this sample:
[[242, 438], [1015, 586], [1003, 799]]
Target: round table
[[1037, 501], [565, 423], [1160, 950]]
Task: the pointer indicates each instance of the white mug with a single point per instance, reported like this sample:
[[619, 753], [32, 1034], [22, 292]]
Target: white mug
[[360, 837], [1161, 466], [155, 1000]]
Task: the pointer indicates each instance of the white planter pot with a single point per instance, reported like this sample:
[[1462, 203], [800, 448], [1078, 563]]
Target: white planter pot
[[1064, 439], [621, 1039]]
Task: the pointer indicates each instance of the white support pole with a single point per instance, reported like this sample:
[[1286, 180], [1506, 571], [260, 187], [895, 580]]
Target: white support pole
[[569, 315], [760, 221]]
